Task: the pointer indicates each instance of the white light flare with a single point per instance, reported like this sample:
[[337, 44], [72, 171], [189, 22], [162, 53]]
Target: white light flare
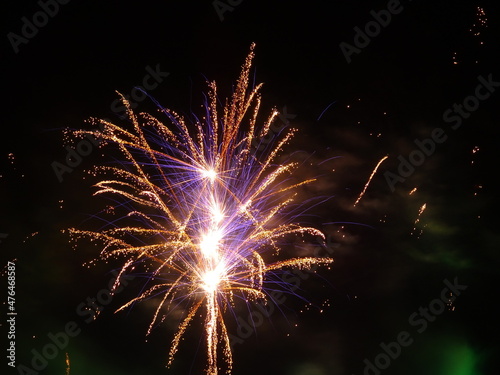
[[211, 174], [217, 214], [212, 278], [210, 243]]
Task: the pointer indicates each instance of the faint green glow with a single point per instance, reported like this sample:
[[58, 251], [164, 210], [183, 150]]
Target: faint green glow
[[441, 254], [459, 359]]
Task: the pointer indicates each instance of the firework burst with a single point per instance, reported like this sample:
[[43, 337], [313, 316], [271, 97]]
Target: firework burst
[[206, 205]]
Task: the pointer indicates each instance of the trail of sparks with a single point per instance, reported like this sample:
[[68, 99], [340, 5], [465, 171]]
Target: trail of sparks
[[422, 209], [420, 212], [203, 208], [68, 364], [369, 180]]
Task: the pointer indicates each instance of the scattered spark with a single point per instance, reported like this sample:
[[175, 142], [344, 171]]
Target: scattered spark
[[30, 236], [413, 191], [369, 180], [480, 24], [209, 208], [11, 158], [477, 187], [477, 30], [475, 150], [450, 299]]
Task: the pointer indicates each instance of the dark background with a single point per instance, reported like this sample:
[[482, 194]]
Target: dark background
[[399, 86]]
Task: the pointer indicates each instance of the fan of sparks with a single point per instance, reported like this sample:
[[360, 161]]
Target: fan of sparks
[[207, 208]]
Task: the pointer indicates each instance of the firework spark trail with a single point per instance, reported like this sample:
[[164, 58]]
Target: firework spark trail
[[369, 180], [204, 210], [420, 211], [417, 220], [68, 364]]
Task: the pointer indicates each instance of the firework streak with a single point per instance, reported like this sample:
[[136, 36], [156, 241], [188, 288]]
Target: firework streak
[[369, 180], [204, 210]]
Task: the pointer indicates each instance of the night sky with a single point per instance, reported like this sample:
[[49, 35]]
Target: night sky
[[429, 76]]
